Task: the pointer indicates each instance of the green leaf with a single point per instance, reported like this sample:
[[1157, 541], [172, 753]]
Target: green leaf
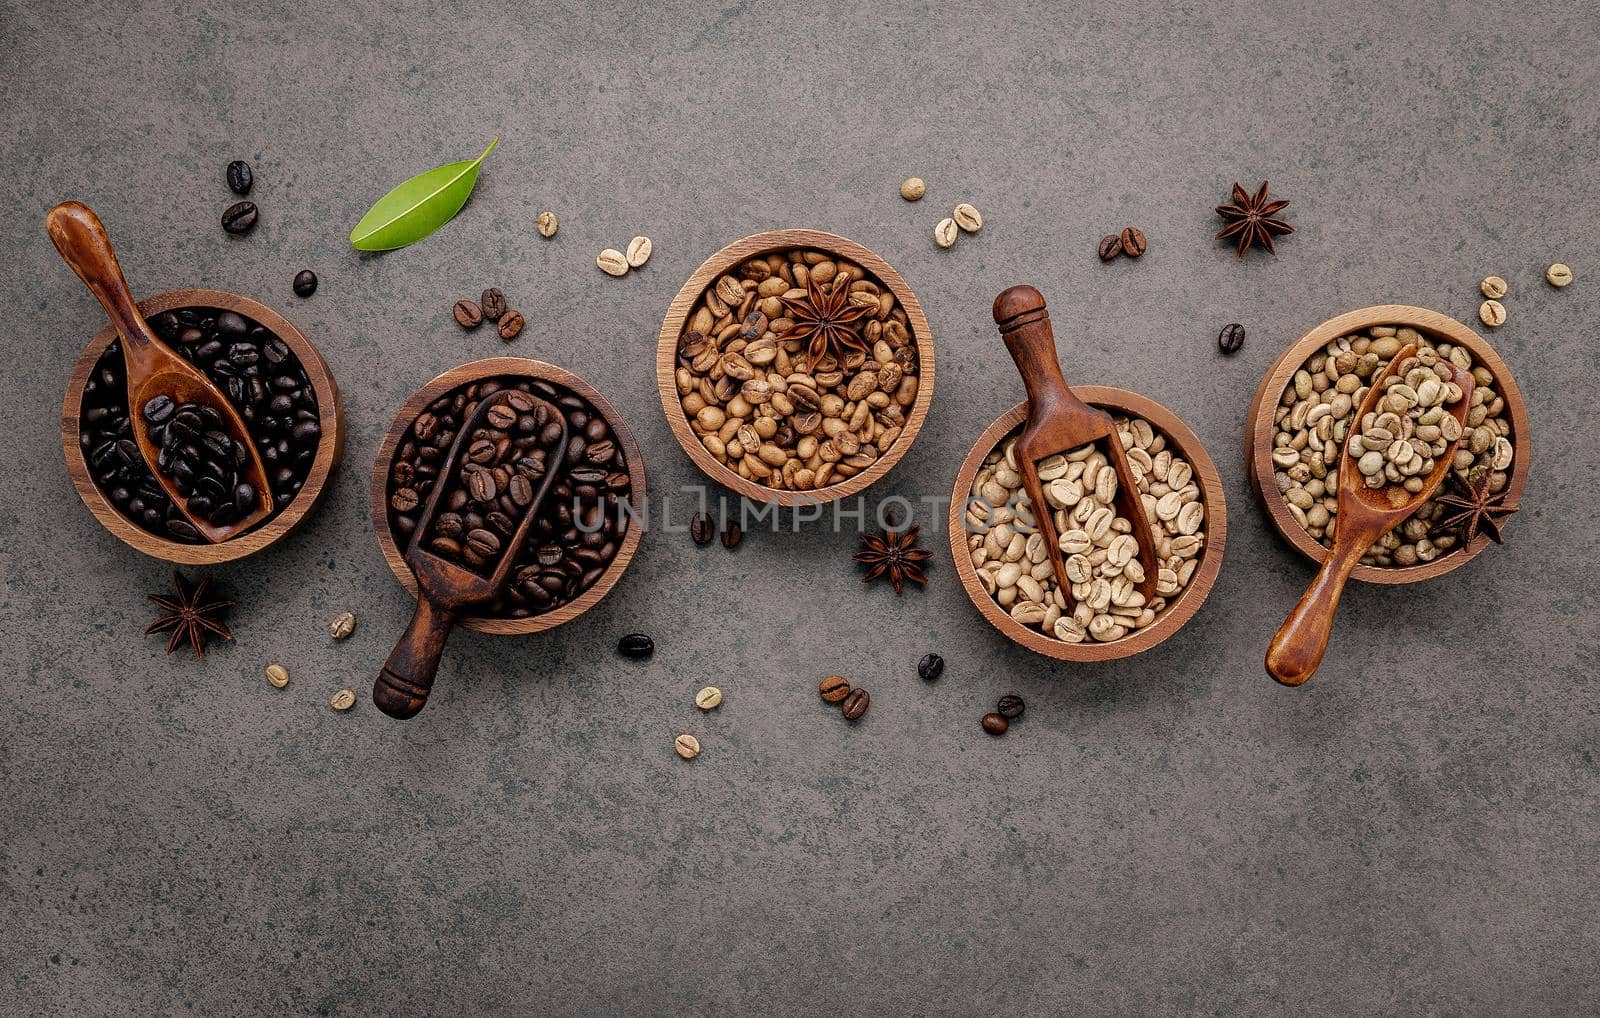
[[418, 207]]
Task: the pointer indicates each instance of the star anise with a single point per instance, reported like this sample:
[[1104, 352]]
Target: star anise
[[1254, 219], [1473, 509], [190, 617], [824, 314], [894, 554]]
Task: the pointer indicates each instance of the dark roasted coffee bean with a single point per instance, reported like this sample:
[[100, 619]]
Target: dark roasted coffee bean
[[181, 528], [731, 535], [468, 315], [404, 500], [1110, 247], [1011, 707], [158, 409], [493, 303], [1133, 242], [834, 688], [930, 667], [510, 325], [482, 542], [500, 416], [305, 283], [239, 177], [855, 705], [636, 645], [520, 490], [995, 724], [1231, 338], [240, 218], [701, 529]]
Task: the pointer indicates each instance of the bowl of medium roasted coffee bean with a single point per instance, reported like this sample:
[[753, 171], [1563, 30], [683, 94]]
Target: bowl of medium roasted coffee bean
[[584, 533], [1005, 565], [273, 376], [1305, 410], [795, 367]]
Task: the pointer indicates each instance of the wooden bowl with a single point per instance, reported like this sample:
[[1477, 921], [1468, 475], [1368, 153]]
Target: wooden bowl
[[500, 367], [1178, 611], [1259, 428], [329, 449], [705, 276]]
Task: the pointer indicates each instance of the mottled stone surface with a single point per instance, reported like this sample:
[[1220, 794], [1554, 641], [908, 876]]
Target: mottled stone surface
[[1412, 833]]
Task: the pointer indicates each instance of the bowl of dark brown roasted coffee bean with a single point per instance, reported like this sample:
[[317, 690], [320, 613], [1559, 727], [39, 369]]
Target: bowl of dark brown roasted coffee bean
[[583, 534], [272, 375]]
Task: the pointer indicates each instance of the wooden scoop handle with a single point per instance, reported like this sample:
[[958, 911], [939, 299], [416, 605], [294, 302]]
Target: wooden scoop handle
[[84, 245], [1025, 326], [403, 685], [1297, 649]]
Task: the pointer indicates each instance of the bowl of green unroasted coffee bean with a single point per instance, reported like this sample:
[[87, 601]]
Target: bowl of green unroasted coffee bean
[[272, 375], [583, 534], [1305, 409], [1005, 565]]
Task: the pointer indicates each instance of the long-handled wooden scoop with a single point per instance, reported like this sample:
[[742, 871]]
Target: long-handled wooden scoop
[[153, 368], [1059, 422], [1365, 514], [446, 590]]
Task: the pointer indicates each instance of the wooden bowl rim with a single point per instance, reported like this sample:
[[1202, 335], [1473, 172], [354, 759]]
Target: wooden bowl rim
[[1259, 428], [702, 279], [330, 448], [1178, 612], [492, 367]]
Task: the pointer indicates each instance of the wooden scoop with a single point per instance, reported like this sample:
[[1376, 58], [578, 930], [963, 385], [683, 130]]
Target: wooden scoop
[[153, 368], [447, 590], [1365, 514], [1059, 422]]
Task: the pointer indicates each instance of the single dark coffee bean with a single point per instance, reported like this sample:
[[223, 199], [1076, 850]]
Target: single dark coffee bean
[[701, 529], [636, 646], [404, 500], [1133, 242], [731, 535], [240, 178], [510, 325], [1231, 338], [305, 283], [240, 218], [855, 705], [482, 544], [500, 416], [834, 688], [995, 724], [158, 409], [468, 315], [1110, 247], [930, 667], [493, 303], [1011, 707]]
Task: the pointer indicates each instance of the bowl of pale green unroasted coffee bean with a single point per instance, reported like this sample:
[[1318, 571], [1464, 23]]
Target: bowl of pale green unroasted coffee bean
[[1306, 408]]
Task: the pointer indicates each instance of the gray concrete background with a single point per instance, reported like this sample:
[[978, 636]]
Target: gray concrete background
[[1413, 833]]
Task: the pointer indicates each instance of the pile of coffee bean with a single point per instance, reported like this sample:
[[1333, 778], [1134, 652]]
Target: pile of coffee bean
[[1318, 408], [203, 462], [853, 701], [255, 370], [753, 396], [1398, 442], [498, 475], [578, 528]]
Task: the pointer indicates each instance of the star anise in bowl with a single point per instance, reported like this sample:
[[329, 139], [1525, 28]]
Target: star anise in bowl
[[826, 315], [1254, 219], [1473, 509], [894, 555]]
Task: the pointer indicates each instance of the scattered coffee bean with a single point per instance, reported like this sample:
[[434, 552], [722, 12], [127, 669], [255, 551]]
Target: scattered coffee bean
[[1110, 247], [278, 675], [638, 252], [1492, 313], [468, 315], [342, 626], [612, 262], [492, 303], [967, 218], [636, 645], [1011, 707], [1133, 242], [240, 218], [548, 224], [913, 188], [1493, 287], [731, 535], [709, 698], [1558, 275], [995, 724], [305, 283], [344, 699], [239, 177], [855, 704], [834, 688], [510, 325], [945, 233], [930, 667], [1231, 338], [687, 746], [701, 529]]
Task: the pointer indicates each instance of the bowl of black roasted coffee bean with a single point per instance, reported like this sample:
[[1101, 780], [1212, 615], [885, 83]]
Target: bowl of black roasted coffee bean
[[271, 374], [584, 532]]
